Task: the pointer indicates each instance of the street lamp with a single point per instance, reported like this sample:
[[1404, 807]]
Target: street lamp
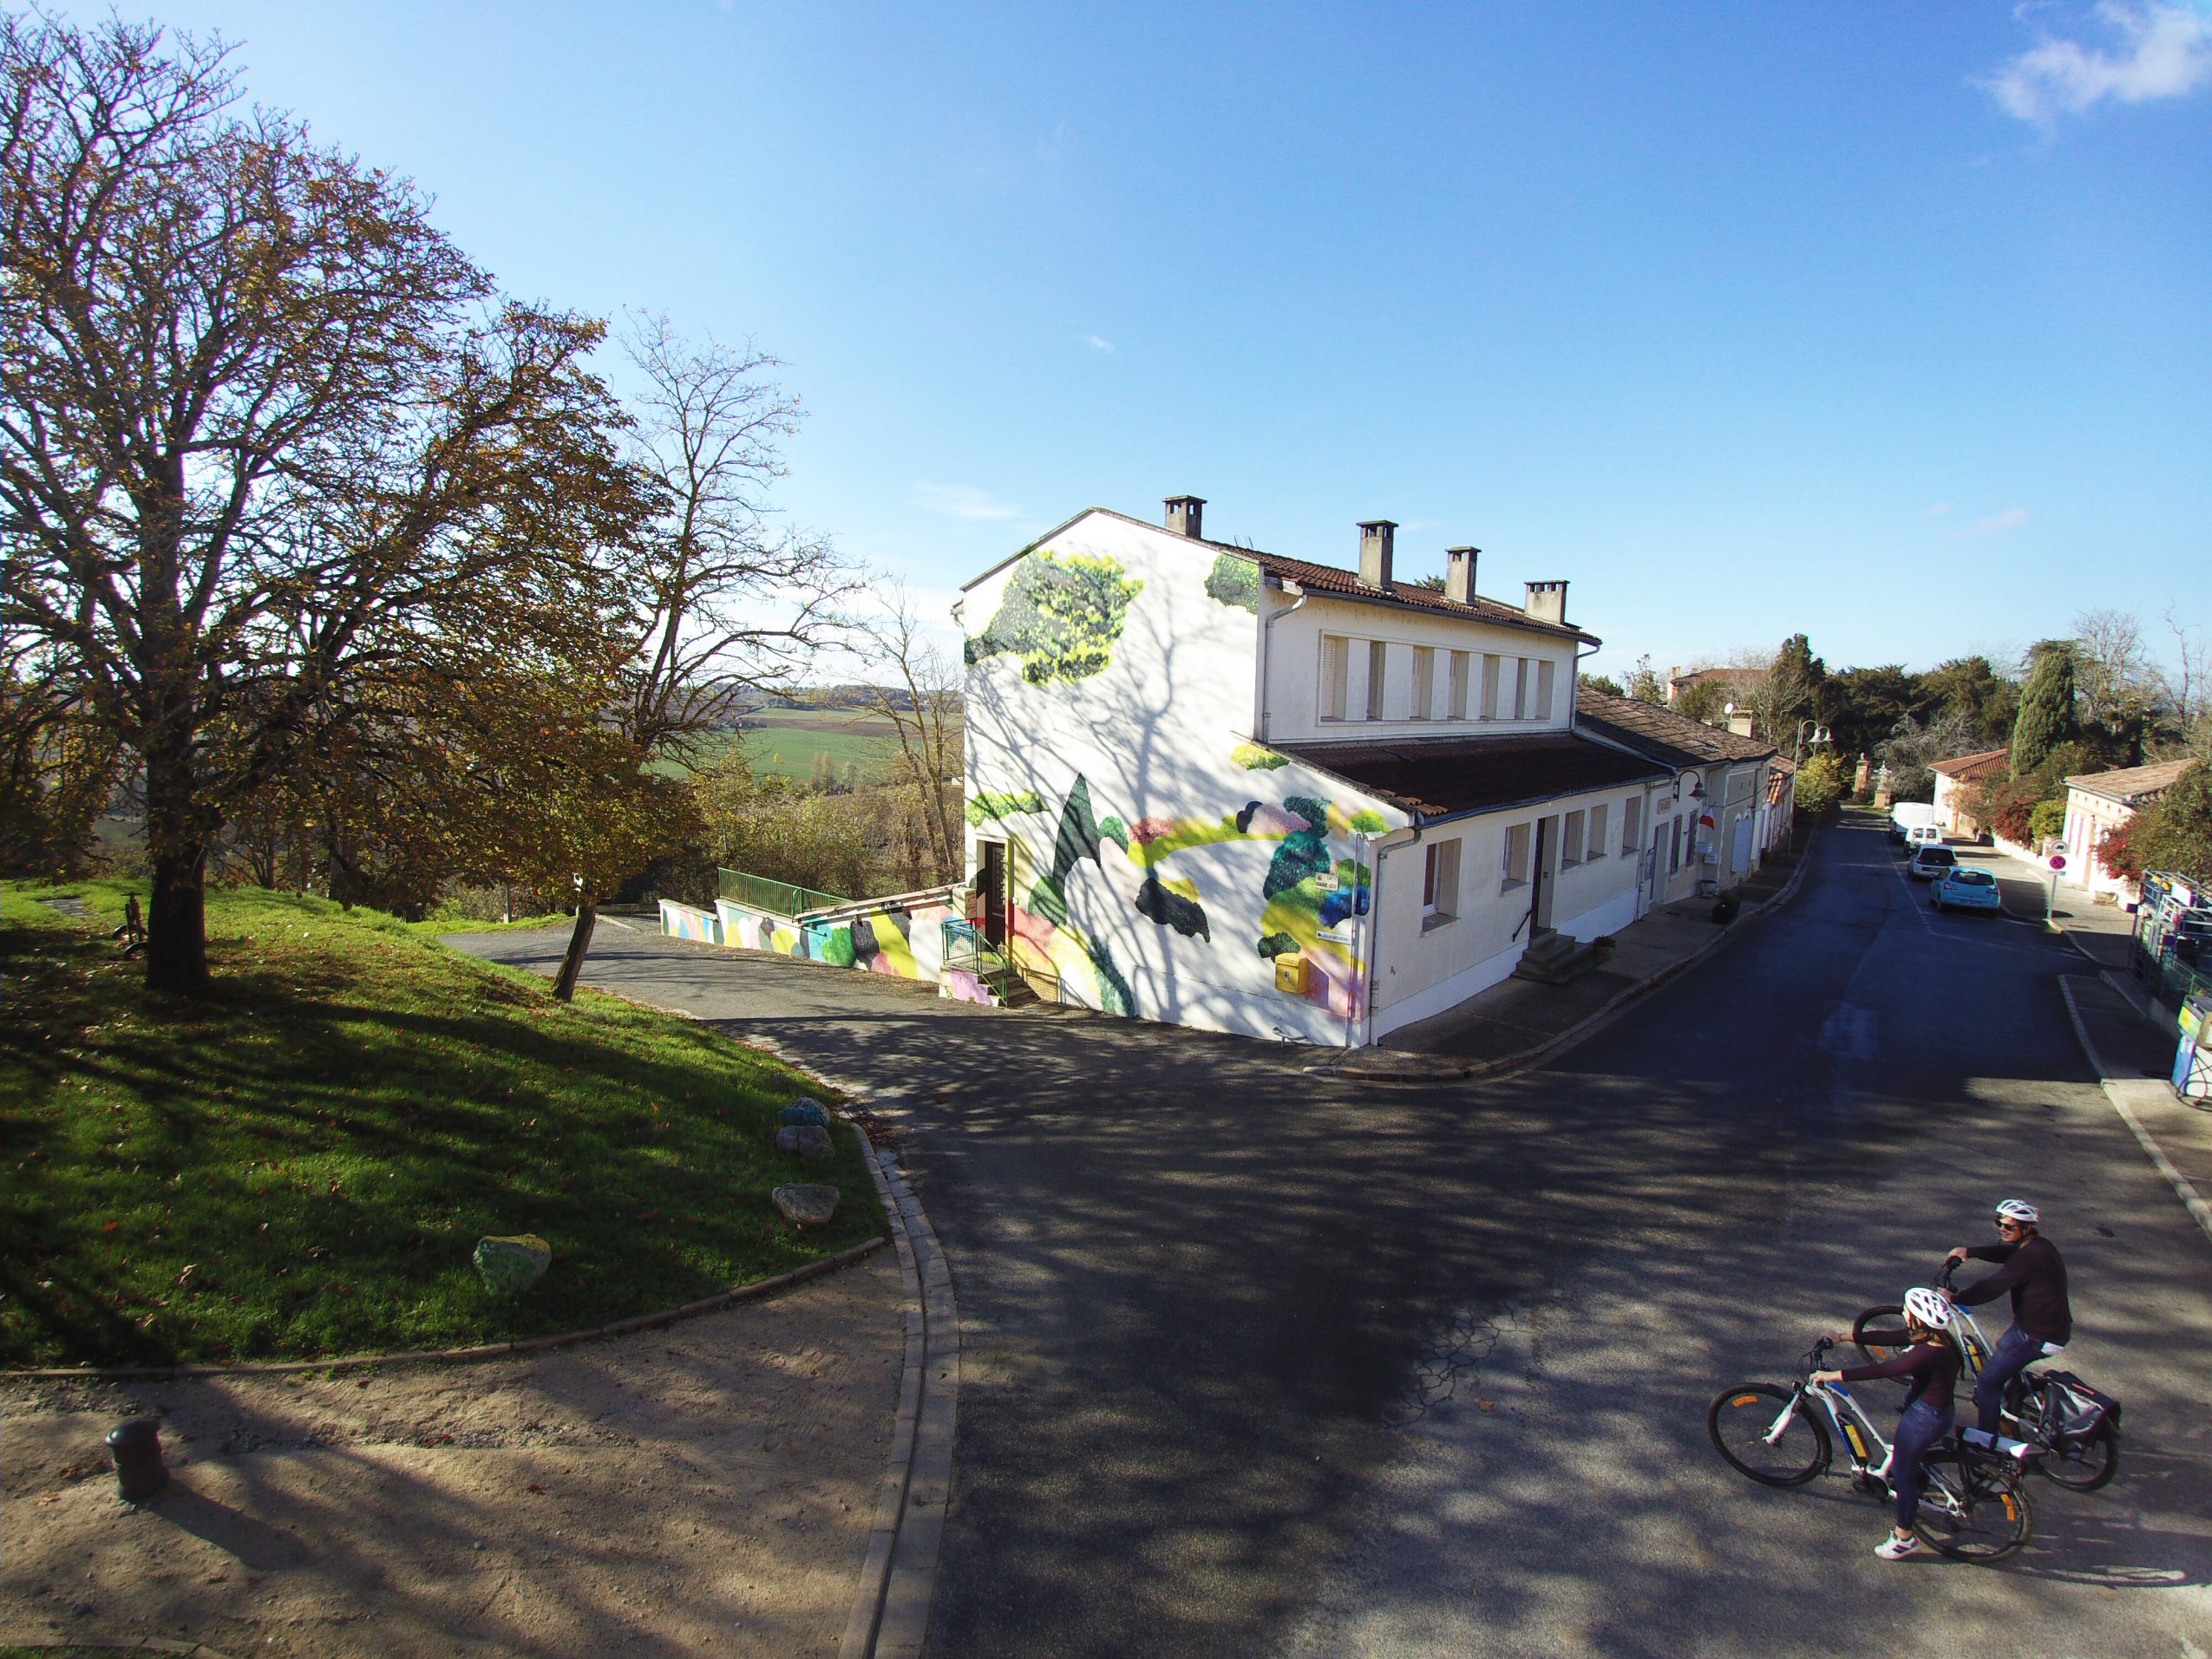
[[1821, 734]]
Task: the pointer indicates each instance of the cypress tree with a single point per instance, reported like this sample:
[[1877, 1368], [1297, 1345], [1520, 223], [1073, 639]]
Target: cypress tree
[[2046, 716]]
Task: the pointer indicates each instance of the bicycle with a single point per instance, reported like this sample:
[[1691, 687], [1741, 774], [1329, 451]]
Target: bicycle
[[2077, 1463], [1972, 1507]]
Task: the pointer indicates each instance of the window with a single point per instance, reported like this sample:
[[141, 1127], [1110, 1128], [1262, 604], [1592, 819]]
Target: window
[[1379, 660], [1440, 883], [1631, 823], [1456, 707], [1490, 665], [1570, 839], [1517, 857], [1547, 672], [1524, 686], [1597, 843], [1425, 682], [1336, 660], [1674, 855]]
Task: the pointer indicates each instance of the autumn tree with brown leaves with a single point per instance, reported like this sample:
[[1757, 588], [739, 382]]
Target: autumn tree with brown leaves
[[279, 465]]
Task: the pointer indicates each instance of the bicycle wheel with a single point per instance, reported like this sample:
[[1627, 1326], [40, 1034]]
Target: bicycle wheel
[[1742, 1417], [1888, 1316], [2086, 1468], [1972, 1510]]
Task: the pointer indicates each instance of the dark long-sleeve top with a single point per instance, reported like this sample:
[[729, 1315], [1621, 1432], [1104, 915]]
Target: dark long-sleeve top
[[2036, 1276], [1934, 1366]]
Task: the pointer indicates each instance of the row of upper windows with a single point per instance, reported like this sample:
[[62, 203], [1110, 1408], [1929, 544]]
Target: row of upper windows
[[1465, 685]]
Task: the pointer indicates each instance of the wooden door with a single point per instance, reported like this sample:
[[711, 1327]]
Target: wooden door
[[990, 880]]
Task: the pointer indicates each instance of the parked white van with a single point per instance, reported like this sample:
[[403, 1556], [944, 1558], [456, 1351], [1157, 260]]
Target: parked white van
[[1910, 815]]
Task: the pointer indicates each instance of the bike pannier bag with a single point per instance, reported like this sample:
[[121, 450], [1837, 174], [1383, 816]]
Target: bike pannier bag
[[2077, 1410]]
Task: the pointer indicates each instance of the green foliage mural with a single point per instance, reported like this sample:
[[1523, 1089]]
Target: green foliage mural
[[1060, 616], [985, 807], [1235, 582], [1253, 758]]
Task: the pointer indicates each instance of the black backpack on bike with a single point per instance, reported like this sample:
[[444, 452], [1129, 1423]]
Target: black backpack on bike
[[2078, 1411]]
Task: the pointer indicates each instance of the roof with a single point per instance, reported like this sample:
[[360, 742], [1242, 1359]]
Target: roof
[[1660, 734], [1750, 676], [1347, 585], [1329, 580], [1967, 767], [2131, 784], [1443, 778]]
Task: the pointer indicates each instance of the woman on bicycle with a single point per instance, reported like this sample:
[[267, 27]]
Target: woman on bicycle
[[1928, 1358]]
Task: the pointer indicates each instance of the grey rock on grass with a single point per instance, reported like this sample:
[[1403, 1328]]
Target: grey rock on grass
[[808, 1139], [512, 1264], [804, 1205]]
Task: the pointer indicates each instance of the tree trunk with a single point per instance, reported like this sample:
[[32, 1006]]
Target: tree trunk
[[176, 919], [579, 942]]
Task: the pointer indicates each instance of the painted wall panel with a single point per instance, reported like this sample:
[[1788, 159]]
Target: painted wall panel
[[1160, 861]]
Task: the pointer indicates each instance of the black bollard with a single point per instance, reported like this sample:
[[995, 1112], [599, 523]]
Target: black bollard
[[136, 1448]]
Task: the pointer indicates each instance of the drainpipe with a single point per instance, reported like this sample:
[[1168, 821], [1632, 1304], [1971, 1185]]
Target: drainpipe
[[1364, 937], [1266, 627], [1575, 685]]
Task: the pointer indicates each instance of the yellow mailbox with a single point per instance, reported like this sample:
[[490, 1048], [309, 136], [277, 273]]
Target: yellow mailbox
[[1290, 974]]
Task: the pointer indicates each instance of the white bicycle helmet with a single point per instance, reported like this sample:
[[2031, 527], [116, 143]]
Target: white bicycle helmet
[[1929, 1306], [2017, 1210]]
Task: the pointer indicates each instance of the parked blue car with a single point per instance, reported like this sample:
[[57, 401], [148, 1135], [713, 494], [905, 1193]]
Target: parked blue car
[[1962, 887]]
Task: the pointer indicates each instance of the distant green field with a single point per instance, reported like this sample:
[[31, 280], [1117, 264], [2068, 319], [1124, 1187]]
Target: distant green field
[[786, 740]]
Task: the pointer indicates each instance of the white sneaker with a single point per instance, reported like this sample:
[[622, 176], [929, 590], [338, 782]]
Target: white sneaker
[[1894, 1548]]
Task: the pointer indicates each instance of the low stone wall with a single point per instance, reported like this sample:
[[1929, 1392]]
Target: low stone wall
[[688, 922], [903, 937]]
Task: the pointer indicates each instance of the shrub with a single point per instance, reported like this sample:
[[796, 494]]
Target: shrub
[[1819, 784], [2117, 854], [2047, 818]]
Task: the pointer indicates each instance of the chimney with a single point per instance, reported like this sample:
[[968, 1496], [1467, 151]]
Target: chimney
[[1375, 536], [1185, 513], [1547, 602], [1459, 573], [1739, 720]]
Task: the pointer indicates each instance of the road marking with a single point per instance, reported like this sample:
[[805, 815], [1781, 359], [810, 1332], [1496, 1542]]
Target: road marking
[[1911, 902], [2200, 1212]]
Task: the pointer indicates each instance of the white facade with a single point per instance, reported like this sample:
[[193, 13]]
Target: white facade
[[1131, 692]]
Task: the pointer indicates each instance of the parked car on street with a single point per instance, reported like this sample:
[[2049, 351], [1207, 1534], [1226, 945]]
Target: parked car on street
[[1920, 835], [1908, 815], [1961, 888], [1929, 862]]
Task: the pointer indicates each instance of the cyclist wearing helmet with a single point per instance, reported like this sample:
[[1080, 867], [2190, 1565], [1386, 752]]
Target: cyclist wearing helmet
[[2043, 1321], [1932, 1362]]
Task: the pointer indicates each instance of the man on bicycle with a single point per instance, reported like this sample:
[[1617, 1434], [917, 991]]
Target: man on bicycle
[[2043, 1320]]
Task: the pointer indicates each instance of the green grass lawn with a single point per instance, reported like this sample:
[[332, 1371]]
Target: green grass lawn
[[301, 1166], [786, 740]]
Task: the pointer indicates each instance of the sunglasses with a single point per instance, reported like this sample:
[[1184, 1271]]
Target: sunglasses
[[2008, 1225]]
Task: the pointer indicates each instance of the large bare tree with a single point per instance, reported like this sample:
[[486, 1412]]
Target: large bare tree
[[924, 708], [729, 601], [269, 443]]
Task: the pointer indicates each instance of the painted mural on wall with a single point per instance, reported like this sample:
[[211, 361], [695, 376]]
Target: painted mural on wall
[[1169, 857], [906, 942], [1060, 616], [688, 922], [1307, 892]]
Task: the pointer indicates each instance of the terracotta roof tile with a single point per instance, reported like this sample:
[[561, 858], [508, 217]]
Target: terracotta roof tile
[[1660, 733], [1967, 767], [1341, 584], [2131, 784]]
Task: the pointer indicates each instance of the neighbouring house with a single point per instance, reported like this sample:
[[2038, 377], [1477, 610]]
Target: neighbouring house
[[2097, 804], [1717, 820], [1224, 788], [1956, 780], [1736, 684]]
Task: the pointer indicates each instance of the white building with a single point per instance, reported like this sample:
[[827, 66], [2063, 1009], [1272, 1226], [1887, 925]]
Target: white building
[[1228, 789], [2097, 804]]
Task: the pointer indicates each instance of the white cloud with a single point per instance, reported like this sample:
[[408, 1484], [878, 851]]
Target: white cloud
[[2164, 50], [1100, 343], [1995, 524], [963, 501], [1939, 509]]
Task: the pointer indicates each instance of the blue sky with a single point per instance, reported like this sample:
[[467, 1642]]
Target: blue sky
[[1885, 322]]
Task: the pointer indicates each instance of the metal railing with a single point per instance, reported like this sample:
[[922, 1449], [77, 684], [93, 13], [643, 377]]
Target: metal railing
[[966, 951], [777, 897], [2173, 940]]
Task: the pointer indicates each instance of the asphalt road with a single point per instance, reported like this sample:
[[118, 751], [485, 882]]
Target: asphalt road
[[1259, 1363]]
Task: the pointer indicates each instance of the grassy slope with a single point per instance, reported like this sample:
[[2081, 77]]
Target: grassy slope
[[322, 1144], [786, 740]]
